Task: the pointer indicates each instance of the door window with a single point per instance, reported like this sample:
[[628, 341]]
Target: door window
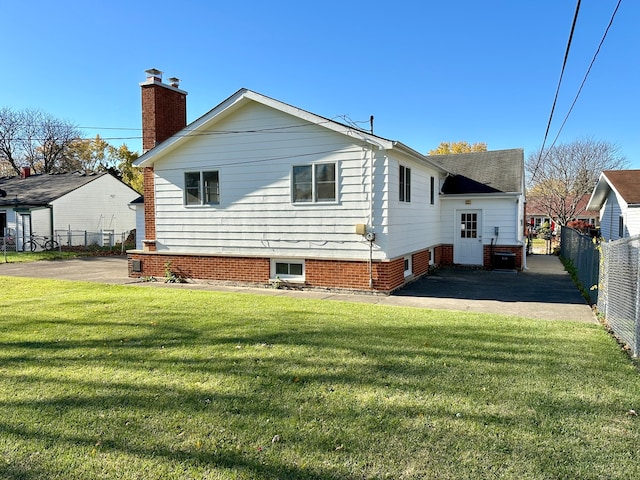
[[468, 225]]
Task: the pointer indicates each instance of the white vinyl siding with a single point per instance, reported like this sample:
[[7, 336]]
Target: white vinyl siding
[[501, 212], [408, 226], [609, 217], [102, 204], [256, 215]]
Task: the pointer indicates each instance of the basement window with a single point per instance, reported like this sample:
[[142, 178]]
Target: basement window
[[408, 266], [289, 270]]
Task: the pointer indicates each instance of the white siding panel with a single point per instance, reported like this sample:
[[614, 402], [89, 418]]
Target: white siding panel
[[102, 204], [256, 215], [609, 217], [633, 221], [414, 225], [496, 212]]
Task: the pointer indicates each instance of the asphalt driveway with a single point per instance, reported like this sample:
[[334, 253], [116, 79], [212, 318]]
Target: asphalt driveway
[[544, 291]]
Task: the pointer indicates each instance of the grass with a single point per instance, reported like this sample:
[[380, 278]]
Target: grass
[[116, 382], [19, 257]]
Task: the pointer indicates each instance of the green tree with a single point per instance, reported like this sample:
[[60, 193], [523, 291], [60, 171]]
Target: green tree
[[131, 175], [462, 146], [96, 154], [560, 177]]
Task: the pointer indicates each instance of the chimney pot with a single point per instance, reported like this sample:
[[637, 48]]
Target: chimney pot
[[155, 74]]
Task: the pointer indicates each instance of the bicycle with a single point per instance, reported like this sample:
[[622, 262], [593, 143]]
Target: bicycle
[[44, 243]]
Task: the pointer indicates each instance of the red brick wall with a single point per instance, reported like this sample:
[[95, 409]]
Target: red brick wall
[[420, 262], [164, 112], [230, 269], [149, 204], [489, 251], [444, 255], [352, 275]]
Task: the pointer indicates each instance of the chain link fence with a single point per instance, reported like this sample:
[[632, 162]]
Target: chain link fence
[[619, 290], [585, 257], [609, 272], [75, 240]]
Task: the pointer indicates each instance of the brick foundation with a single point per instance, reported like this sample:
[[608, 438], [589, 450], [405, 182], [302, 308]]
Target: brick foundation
[[444, 255], [489, 251], [335, 274]]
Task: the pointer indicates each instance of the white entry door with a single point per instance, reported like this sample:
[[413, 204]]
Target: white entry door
[[467, 249]]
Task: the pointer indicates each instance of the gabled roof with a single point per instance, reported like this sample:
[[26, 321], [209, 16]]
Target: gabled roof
[[242, 97], [535, 206], [497, 171], [626, 183], [41, 190]]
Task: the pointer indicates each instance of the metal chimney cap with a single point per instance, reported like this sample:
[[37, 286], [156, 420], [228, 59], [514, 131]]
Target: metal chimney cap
[[154, 72], [174, 82]]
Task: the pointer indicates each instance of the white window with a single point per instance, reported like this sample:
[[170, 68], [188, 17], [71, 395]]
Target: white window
[[202, 188], [408, 266], [291, 270], [405, 184], [314, 183]]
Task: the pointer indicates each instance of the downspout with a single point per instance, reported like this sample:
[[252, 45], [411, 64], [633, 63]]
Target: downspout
[[370, 227], [521, 229], [51, 222], [371, 217]]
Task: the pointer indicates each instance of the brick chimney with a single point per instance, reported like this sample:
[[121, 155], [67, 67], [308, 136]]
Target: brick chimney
[[164, 109]]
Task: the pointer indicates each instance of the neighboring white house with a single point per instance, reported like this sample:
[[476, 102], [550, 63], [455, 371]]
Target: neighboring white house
[[617, 198], [66, 205], [257, 190]]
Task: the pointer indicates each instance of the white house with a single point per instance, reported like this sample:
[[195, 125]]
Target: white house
[[65, 205], [617, 198], [257, 190]]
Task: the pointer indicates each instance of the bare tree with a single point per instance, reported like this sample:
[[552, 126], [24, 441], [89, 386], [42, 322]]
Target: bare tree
[[560, 177], [35, 139]]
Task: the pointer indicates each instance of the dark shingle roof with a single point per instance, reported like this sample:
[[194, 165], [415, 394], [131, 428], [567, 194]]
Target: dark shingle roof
[[37, 190], [498, 171]]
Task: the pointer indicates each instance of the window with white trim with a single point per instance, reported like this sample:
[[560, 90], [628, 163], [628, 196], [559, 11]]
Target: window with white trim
[[408, 265], [314, 183], [202, 188], [405, 184], [284, 269]]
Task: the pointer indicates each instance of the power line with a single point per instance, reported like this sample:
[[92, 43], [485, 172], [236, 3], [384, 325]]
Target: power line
[[604, 36], [555, 99]]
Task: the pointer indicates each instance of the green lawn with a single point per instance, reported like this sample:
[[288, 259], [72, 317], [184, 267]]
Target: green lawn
[[114, 382]]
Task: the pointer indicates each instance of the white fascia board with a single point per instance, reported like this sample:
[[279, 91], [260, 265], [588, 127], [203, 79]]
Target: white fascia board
[[418, 156], [479, 196], [238, 99], [599, 194]]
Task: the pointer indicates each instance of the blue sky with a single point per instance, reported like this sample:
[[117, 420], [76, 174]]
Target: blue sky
[[480, 71]]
